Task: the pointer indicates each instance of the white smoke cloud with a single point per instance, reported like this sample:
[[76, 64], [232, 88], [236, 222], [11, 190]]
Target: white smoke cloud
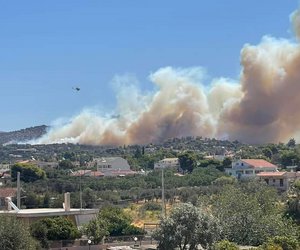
[[261, 106]]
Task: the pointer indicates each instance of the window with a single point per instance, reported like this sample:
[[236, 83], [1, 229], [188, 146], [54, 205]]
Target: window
[[281, 183], [274, 180], [267, 181]]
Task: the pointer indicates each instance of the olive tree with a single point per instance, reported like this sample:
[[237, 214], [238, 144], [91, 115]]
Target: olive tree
[[14, 235], [187, 227]]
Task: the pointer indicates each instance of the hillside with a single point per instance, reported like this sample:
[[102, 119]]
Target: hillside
[[23, 134]]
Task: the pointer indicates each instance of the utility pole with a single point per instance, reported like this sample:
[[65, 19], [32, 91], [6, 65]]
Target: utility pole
[[80, 193], [163, 193], [18, 191]]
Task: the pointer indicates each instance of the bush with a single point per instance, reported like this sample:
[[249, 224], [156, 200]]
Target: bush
[[281, 242], [57, 228], [151, 206], [15, 235], [225, 245]]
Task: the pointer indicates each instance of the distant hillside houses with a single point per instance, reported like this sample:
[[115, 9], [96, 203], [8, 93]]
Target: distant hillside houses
[[167, 163], [265, 171], [107, 166], [245, 168]]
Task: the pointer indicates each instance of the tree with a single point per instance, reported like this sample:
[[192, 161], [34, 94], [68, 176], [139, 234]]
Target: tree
[[186, 228], [289, 158], [250, 213], [291, 143], [96, 229], [281, 243], [187, 161], [56, 228], [14, 235], [267, 152], [28, 172], [225, 180], [66, 164], [89, 197], [118, 223], [227, 162]]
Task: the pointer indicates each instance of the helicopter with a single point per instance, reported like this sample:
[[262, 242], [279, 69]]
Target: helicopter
[[76, 88]]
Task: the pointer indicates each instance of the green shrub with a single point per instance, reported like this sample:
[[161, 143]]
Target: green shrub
[[281, 243], [151, 206], [225, 245]]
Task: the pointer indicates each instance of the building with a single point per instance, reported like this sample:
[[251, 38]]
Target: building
[[245, 168], [29, 216], [87, 172], [167, 163], [280, 180], [107, 166], [4, 193], [110, 163]]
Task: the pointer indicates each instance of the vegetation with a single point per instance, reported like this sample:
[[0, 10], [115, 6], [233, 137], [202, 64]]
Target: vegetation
[[110, 221], [225, 245], [238, 212], [28, 172], [280, 243], [250, 213], [56, 228], [187, 227], [14, 235]]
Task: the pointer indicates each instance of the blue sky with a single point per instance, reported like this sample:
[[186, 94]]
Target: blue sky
[[47, 47]]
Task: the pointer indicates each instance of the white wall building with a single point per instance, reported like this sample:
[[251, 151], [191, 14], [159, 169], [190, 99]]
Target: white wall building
[[110, 163], [167, 163], [244, 168]]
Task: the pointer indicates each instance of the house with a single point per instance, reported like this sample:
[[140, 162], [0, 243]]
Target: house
[[167, 163], [245, 168], [87, 172], [5, 178], [4, 193], [280, 180], [107, 166], [28, 216], [104, 164]]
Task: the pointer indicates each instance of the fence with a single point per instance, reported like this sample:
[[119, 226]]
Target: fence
[[108, 241]]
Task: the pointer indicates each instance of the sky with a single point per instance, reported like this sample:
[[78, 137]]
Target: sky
[[49, 47]]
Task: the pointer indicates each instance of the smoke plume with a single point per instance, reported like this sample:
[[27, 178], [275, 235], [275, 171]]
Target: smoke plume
[[262, 106]]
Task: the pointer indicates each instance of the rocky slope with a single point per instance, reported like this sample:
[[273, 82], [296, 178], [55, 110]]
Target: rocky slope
[[22, 135]]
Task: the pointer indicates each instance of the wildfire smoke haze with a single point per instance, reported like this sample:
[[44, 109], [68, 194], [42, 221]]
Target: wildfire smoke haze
[[262, 106]]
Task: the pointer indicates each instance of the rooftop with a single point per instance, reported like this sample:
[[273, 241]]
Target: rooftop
[[8, 192], [271, 174], [259, 163], [41, 212]]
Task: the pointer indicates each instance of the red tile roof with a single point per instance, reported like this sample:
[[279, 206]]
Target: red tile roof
[[81, 172], [259, 163], [271, 174], [96, 173], [8, 192]]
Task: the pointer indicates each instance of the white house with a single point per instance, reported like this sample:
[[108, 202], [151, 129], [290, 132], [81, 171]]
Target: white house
[[244, 168], [110, 163], [167, 163], [280, 180]]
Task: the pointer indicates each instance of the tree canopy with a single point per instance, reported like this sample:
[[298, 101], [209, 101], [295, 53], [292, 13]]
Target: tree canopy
[[28, 172], [250, 213], [187, 227], [56, 228], [187, 161], [14, 235]]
